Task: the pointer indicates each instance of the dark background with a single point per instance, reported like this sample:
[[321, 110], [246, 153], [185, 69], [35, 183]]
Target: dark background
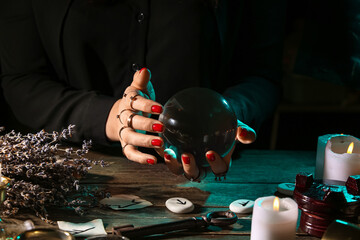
[[320, 80], [321, 76]]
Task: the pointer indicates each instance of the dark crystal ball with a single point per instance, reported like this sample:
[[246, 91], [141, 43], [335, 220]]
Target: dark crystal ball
[[198, 120]]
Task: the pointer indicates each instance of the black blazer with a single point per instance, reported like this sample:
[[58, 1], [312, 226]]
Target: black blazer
[[42, 93]]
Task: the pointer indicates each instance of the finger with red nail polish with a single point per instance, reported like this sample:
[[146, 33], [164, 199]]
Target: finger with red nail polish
[[157, 142], [245, 134], [189, 165], [150, 161], [158, 127], [156, 109], [171, 162], [216, 162]]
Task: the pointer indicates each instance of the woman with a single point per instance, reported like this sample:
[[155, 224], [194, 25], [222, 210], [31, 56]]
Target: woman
[[78, 62]]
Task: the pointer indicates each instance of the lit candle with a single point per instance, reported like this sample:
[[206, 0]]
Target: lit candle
[[342, 158], [274, 219], [320, 154]]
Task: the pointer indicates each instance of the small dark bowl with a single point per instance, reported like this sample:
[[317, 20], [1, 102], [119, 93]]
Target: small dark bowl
[[45, 234]]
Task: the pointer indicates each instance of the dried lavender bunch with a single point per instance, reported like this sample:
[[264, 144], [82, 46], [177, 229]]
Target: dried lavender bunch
[[44, 174]]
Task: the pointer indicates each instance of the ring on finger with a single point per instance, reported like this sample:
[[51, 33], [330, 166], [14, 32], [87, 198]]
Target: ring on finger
[[119, 115], [123, 148], [218, 176], [132, 99], [196, 179], [125, 94], [130, 120], [122, 128]]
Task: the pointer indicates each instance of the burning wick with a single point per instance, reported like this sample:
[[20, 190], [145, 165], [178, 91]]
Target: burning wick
[[276, 204], [350, 148]]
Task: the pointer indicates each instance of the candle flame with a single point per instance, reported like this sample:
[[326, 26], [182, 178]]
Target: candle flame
[[276, 204], [350, 148]]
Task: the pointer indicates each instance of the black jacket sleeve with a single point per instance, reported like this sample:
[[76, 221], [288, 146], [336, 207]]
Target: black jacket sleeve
[[32, 88], [255, 66]]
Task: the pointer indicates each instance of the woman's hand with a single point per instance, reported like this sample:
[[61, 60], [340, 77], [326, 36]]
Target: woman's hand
[[131, 114], [219, 166]]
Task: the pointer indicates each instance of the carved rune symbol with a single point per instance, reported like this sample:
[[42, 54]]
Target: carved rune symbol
[[74, 231], [180, 202], [133, 202], [244, 203]]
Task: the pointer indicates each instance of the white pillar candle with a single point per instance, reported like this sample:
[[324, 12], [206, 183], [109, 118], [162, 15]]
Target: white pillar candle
[[320, 154], [269, 224], [338, 164]]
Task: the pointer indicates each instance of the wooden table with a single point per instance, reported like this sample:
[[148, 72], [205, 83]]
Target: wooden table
[[254, 173]]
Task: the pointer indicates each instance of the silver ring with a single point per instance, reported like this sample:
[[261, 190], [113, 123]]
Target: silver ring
[[125, 94], [196, 179], [119, 115], [130, 120], [218, 176], [122, 128], [132, 99], [122, 148]]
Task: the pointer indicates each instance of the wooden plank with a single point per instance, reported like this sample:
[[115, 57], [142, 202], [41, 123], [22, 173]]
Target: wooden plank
[[150, 216], [156, 215], [251, 166], [253, 174], [269, 166], [206, 195]]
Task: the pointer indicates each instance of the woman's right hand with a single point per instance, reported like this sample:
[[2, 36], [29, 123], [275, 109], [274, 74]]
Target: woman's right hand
[[132, 113]]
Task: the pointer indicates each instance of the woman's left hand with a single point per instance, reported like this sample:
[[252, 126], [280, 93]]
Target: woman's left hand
[[219, 166]]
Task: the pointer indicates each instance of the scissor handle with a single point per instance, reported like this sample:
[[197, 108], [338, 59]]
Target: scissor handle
[[221, 218]]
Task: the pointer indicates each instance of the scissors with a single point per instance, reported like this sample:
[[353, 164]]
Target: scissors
[[218, 218]]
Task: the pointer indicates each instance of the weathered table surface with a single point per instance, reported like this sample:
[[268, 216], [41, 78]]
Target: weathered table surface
[[253, 174]]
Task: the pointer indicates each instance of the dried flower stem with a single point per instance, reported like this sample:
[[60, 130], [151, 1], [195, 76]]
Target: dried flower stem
[[43, 174]]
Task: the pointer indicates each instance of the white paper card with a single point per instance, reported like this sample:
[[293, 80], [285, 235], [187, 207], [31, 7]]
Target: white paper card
[[124, 202], [92, 228]]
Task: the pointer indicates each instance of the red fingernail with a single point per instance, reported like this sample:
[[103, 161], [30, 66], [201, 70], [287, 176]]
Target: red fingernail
[[157, 127], [167, 156], [156, 142], [243, 132], [150, 161], [156, 109], [186, 159], [210, 156], [141, 70]]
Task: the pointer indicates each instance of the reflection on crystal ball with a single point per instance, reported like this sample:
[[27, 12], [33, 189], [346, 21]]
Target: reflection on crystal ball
[[198, 120]]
